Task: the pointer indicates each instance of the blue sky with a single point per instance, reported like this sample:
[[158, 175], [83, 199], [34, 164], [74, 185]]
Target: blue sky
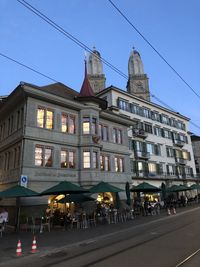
[[171, 26]]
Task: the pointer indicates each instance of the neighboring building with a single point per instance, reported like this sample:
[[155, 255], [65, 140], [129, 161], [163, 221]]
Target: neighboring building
[[196, 149], [52, 133], [160, 143]]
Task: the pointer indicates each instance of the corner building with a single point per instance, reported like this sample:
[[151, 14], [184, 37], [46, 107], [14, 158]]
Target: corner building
[[52, 134]]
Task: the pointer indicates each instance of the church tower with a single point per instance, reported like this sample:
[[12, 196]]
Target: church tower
[[138, 82], [95, 72]]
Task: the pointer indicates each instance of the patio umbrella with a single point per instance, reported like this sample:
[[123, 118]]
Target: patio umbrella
[[64, 187], [103, 187], [145, 188], [128, 196], [76, 198], [195, 186], [18, 191], [178, 188]]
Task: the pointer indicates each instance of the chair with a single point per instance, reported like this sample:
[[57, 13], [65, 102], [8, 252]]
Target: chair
[[30, 224], [45, 224], [92, 219]]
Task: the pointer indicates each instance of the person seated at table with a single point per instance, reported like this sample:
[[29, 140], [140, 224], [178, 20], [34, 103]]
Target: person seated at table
[[4, 216]]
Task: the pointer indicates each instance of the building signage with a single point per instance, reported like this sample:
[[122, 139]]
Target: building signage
[[24, 180]]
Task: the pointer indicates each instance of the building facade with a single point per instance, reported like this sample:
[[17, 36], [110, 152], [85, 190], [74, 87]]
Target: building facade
[[52, 134], [196, 149]]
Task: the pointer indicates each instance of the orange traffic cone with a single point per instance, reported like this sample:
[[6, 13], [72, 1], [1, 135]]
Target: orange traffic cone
[[19, 249], [34, 246]]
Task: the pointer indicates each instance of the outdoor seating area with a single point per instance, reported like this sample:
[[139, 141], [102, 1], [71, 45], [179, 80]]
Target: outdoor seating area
[[70, 210]]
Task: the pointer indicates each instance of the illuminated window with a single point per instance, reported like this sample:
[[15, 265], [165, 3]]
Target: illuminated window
[[67, 159], [68, 123], [104, 163], [119, 164], [86, 125], [86, 159], [43, 156], [44, 118]]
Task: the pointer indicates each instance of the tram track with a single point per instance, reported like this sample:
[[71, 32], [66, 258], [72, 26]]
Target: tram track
[[186, 260], [149, 238]]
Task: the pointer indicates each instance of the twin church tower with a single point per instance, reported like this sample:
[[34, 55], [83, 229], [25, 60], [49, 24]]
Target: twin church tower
[[138, 83]]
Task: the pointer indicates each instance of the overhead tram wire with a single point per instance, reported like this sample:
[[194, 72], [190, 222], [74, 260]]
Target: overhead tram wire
[[79, 43], [27, 67], [82, 45], [155, 50], [68, 35]]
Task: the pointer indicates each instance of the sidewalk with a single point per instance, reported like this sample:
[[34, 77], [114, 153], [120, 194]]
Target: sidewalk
[[58, 238]]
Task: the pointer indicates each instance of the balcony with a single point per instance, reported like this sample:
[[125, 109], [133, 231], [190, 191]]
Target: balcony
[[142, 155], [139, 133], [181, 161], [179, 143]]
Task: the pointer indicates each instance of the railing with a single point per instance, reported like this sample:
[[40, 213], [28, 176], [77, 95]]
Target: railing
[[181, 161], [179, 143], [163, 175], [142, 154], [139, 133]]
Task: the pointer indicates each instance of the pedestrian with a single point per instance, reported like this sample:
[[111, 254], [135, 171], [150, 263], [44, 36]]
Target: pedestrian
[[4, 216]]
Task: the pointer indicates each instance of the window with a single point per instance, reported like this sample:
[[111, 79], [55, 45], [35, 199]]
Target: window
[[155, 116], [186, 155], [44, 118], [147, 113], [67, 159], [43, 156], [165, 120], [104, 163], [94, 160], [117, 136], [119, 164], [171, 170], [67, 123], [152, 168], [148, 128], [135, 109], [105, 133], [123, 104], [94, 126], [86, 159], [170, 152], [154, 149], [86, 125], [167, 134], [157, 131]]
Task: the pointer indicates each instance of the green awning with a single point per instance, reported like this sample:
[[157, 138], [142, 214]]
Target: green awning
[[145, 187], [18, 191], [103, 187], [64, 187]]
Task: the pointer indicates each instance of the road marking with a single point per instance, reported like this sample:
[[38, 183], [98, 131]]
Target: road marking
[[188, 258]]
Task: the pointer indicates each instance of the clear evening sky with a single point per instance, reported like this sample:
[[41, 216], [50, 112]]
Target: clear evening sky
[[172, 27]]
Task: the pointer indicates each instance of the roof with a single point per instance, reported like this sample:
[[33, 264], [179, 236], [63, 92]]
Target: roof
[[86, 89]]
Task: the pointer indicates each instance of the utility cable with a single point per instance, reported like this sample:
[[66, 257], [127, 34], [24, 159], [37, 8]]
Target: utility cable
[[82, 45], [155, 50], [27, 67], [68, 35], [79, 43]]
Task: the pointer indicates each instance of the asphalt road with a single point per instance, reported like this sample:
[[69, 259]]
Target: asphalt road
[[170, 241]]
